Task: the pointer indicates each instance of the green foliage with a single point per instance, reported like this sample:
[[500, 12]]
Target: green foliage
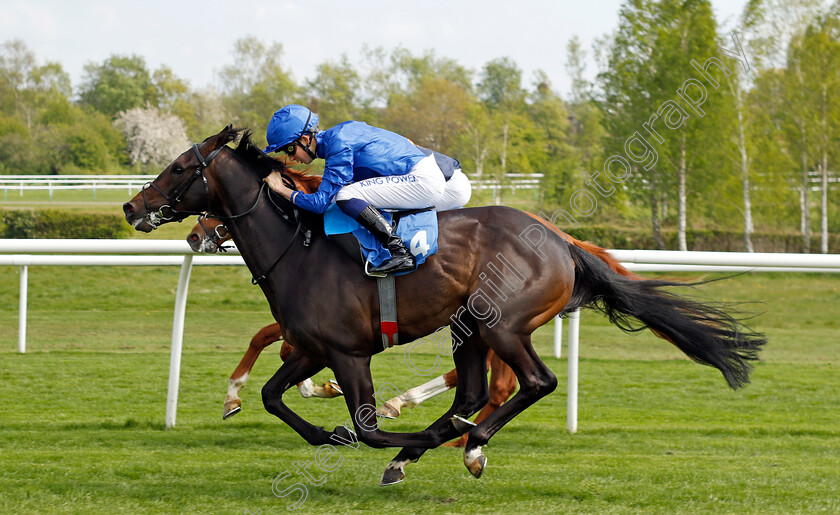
[[54, 223], [257, 85], [334, 92], [723, 240], [118, 84], [761, 131]]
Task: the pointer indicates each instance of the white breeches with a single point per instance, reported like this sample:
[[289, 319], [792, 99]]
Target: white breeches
[[456, 193], [422, 187]]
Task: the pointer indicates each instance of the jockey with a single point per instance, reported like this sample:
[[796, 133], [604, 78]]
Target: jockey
[[365, 168]]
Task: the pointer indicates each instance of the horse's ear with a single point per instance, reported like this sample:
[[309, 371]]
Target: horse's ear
[[225, 136]]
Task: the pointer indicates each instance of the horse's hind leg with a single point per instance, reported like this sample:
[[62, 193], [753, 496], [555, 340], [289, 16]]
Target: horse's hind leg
[[535, 382], [470, 395]]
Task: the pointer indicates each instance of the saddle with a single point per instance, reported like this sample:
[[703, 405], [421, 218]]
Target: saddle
[[417, 228]]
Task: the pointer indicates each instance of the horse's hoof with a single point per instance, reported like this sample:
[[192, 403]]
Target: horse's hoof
[[231, 412], [475, 461], [333, 388], [387, 411], [461, 424], [232, 407], [392, 476]]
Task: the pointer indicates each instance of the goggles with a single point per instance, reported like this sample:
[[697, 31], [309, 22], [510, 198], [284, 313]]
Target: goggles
[[289, 149]]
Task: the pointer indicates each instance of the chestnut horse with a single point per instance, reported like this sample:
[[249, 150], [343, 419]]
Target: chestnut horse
[[498, 275]]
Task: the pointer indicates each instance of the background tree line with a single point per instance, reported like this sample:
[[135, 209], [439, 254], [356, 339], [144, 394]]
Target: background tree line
[[748, 163]]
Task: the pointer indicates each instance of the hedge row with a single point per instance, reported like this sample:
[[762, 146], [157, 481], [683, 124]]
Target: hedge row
[[53, 223], [712, 239]]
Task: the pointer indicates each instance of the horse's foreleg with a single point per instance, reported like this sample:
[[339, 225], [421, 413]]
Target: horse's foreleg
[[264, 337], [414, 396], [470, 395], [502, 386], [353, 374], [294, 369]]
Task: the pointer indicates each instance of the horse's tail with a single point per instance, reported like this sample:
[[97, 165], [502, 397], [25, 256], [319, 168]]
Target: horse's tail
[[703, 332], [603, 255], [599, 252]]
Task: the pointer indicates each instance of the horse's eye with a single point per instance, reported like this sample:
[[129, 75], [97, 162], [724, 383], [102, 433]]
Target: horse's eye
[[177, 170]]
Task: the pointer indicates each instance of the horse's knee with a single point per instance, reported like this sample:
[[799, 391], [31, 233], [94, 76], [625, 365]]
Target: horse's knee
[[474, 401], [269, 397], [546, 384]]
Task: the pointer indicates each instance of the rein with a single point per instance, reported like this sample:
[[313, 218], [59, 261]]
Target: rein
[[155, 217], [298, 222]]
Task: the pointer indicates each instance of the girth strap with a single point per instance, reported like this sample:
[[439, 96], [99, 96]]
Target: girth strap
[[388, 311]]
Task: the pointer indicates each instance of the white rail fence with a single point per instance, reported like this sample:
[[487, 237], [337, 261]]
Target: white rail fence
[[132, 183], [26, 253], [52, 183]]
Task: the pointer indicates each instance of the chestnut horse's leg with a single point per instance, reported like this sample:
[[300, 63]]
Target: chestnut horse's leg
[[264, 337], [470, 395], [414, 396], [535, 381], [502, 386]]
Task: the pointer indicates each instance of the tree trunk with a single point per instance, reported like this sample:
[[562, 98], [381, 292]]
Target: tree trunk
[[504, 162], [804, 207], [745, 173], [681, 224], [654, 211], [824, 211], [824, 185]]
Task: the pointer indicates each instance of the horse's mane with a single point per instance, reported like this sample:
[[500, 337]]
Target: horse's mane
[[263, 164]]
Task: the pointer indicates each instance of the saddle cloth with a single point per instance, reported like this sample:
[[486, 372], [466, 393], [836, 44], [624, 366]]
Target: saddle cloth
[[418, 230]]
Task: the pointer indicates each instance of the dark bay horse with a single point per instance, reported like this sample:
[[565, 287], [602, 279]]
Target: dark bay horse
[[498, 276], [209, 236]]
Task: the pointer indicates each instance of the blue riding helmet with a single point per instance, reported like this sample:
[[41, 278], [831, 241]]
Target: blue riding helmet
[[288, 124]]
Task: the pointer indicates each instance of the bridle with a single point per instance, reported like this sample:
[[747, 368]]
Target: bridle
[[215, 237], [155, 218], [159, 216]]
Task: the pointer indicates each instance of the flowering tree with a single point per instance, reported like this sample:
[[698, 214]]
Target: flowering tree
[[152, 137]]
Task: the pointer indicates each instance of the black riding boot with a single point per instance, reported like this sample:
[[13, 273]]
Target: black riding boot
[[401, 259]]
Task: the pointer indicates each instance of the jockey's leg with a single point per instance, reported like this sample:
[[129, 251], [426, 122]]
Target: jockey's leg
[[422, 187], [456, 193]]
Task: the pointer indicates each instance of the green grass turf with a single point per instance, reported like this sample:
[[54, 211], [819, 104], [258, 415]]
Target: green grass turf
[[82, 426]]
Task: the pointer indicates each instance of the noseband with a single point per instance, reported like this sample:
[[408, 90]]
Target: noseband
[[214, 236]]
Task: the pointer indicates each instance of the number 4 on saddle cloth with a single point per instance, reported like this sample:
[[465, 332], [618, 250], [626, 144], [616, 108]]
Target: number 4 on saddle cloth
[[417, 228]]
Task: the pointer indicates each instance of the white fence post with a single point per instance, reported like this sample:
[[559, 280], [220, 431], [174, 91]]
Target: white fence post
[[24, 288], [572, 393], [558, 337], [177, 341]]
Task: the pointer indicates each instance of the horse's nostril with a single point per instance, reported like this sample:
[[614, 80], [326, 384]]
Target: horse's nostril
[[128, 209], [193, 237]]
